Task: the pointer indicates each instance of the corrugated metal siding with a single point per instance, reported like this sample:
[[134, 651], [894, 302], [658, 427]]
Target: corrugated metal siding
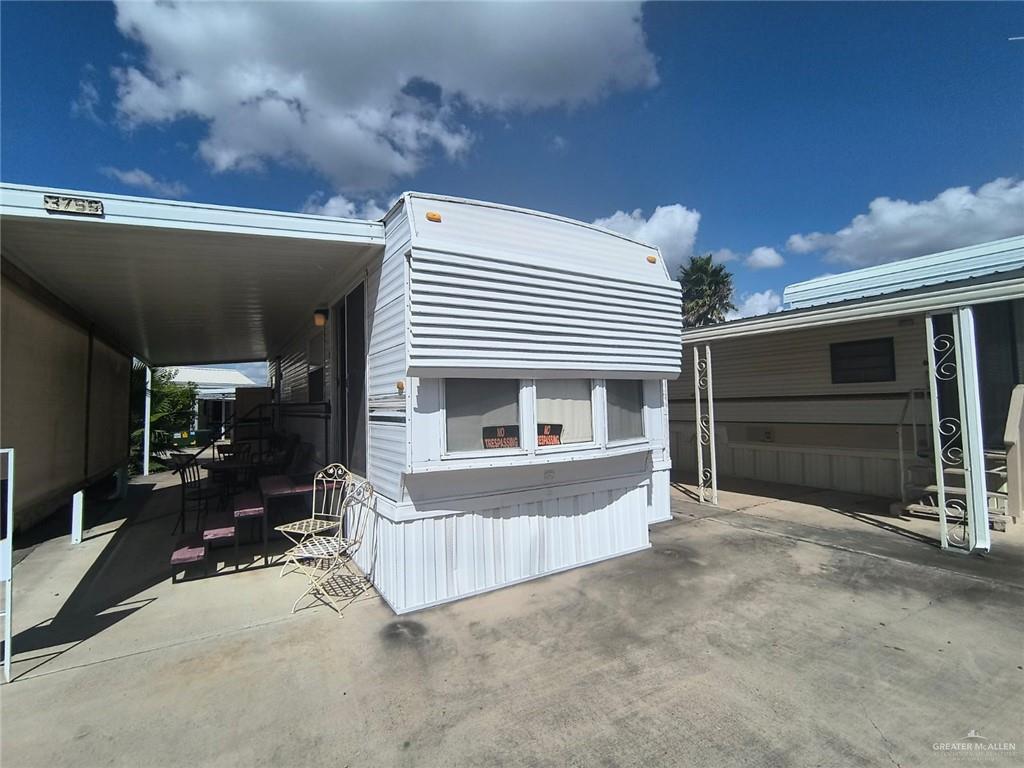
[[501, 290], [906, 274], [480, 312], [418, 563], [387, 451], [294, 370]]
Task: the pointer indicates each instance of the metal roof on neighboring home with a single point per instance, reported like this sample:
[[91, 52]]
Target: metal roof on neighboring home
[[212, 377], [213, 383], [933, 269]]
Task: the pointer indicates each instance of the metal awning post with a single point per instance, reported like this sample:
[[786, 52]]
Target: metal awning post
[[978, 535], [7, 559], [957, 433], [145, 420], [707, 476]]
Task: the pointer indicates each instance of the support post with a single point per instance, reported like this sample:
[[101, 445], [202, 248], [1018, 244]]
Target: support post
[[707, 476], [7, 559], [935, 375], [145, 421], [77, 513], [711, 428], [698, 433], [978, 535]]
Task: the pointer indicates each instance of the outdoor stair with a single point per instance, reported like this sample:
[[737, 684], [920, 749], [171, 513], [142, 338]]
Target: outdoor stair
[[920, 485]]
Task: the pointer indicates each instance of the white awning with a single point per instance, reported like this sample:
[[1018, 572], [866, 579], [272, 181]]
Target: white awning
[[997, 287], [175, 282]]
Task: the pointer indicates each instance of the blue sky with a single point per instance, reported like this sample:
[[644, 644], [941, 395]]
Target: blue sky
[[790, 139]]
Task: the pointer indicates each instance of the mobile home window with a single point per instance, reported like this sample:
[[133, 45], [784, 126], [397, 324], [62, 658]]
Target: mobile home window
[[481, 414], [857, 362], [625, 409], [564, 412]]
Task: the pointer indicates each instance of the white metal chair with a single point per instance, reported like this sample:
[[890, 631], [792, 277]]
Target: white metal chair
[[322, 558], [330, 486]]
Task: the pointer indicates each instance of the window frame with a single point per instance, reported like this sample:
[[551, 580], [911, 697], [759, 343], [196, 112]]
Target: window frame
[[835, 346], [594, 441], [524, 447], [529, 450], [643, 438]]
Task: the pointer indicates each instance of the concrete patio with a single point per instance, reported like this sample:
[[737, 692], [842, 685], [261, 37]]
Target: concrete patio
[[782, 631]]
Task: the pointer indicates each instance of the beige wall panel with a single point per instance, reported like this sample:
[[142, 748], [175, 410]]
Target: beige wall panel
[[108, 408], [42, 404]]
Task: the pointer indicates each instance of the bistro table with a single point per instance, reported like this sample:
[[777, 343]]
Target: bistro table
[[230, 467]]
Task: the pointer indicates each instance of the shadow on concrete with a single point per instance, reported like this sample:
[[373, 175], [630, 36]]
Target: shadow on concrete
[[135, 559]]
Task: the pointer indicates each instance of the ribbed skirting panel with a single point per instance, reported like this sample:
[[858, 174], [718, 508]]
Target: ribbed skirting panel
[[418, 563]]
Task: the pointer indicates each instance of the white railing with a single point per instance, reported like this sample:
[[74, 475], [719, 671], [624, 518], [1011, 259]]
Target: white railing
[[1013, 439], [910, 406]]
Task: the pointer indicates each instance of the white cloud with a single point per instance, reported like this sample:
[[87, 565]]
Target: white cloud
[[558, 144], [136, 177], [88, 98], [342, 207], [764, 257], [673, 228], [367, 93], [759, 303], [722, 255], [897, 229]]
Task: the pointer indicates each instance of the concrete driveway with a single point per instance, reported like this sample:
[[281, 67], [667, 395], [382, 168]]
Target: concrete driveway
[[737, 640]]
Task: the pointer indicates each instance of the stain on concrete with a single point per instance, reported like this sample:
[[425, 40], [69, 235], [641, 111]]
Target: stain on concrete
[[404, 632]]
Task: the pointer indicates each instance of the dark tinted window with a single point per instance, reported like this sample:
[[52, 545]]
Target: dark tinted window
[[855, 362]]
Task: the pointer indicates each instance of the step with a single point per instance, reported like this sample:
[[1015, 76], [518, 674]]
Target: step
[[956, 491], [933, 510], [1001, 471]]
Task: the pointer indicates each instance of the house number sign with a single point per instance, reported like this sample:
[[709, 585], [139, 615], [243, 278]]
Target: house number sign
[[63, 204]]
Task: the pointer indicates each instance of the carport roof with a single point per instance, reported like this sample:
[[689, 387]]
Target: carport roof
[[177, 282]]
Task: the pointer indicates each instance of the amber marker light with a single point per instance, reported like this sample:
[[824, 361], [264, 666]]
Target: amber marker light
[[652, 259], [433, 216]]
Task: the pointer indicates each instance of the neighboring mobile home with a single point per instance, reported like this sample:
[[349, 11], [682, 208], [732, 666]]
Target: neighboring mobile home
[[838, 391], [215, 394], [498, 374]]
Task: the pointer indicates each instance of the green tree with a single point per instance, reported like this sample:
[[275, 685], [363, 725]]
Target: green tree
[[171, 408], [707, 291]]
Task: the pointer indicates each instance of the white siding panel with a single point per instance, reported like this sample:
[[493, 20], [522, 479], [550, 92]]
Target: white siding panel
[[799, 363], [492, 314], [387, 430], [417, 563], [528, 237]]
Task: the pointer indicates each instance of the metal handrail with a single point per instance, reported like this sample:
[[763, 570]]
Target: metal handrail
[[908, 406]]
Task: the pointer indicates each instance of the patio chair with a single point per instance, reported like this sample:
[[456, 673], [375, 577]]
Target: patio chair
[[195, 492], [330, 487], [323, 558]]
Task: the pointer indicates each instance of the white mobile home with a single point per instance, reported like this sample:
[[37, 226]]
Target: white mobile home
[[515, 419], [903, 381], [498, 374]]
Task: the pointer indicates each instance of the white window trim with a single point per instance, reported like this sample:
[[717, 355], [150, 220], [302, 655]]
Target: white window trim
[[600, 446], [446, 455], [643, 438], [567, 447]]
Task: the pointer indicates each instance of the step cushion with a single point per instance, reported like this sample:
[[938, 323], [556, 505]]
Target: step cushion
[[190, 548]]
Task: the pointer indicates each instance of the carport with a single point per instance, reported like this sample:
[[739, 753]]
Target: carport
[[89, 281]]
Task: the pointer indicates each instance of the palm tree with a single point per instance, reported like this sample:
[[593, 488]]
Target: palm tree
[[707, 291]]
